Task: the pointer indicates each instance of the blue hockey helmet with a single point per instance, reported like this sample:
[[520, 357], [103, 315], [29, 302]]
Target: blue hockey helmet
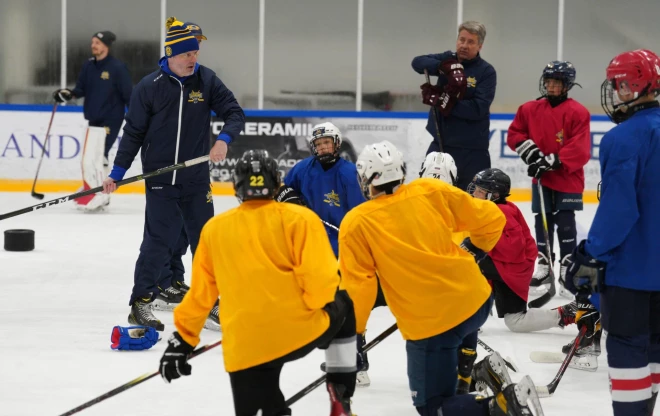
[[561, 70]]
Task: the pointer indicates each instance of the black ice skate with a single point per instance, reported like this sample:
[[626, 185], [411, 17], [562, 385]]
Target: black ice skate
[[339, 405], [588, 346], [563, 266], [491, 372], [516, 400], [466, 359], [362, 377], [181, 287], [542, 285], [213, 320], [141, 314], [168, 299]]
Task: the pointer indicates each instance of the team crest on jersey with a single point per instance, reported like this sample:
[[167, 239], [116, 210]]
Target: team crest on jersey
[[471, 82], [105, 75], [560, 136], [331, 198], [195, 97], [209, 197]]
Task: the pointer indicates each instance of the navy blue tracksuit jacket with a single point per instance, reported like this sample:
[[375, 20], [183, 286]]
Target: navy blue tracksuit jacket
[[169, 120], [465, 133]]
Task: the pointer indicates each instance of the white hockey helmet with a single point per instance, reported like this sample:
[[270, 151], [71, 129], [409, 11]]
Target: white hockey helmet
[[379, 164], [440, 166], [326, 129]]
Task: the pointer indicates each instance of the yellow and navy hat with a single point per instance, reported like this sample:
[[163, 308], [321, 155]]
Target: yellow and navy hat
[[195, 29], [179, 38]]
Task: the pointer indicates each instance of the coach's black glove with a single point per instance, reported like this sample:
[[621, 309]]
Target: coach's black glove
[[174, 362], [476, 252], [543, 165], [529, 152], [62, 95], [288, 194]]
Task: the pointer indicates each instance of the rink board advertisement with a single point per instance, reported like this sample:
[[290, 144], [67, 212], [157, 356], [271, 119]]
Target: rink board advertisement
[[283, 134]]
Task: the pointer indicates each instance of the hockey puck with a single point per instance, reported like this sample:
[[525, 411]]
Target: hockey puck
[[19, 240]]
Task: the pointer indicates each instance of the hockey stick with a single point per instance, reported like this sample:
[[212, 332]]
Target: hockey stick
[[43, 150], [304, 392], [330, 225], [132, 179], [547, 391], [545, 298], [509, 363], [435, 114], [134, 382]]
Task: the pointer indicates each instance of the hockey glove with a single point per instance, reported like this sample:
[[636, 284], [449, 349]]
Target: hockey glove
[[288, 194], [456, 81], [529, 152], [133, 338], [543, 165], [476, 252], [62, 95], [437, 97], [174, 362], [585, 272], [588, 316]]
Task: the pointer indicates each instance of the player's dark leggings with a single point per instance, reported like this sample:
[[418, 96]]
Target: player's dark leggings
[[566, 232]]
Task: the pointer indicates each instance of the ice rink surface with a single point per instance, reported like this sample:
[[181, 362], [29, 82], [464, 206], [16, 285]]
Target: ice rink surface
[[62, 300]]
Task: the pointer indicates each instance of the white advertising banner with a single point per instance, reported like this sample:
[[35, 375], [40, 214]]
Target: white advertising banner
[[22, 136]]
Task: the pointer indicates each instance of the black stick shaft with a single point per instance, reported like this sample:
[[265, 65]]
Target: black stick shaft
[[43, 149], [555, 381], [435, 115], [132, 179], [316, 383], [490, 350], [133, 383]]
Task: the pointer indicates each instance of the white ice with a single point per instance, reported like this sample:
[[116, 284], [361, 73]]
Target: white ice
[[61, 301]]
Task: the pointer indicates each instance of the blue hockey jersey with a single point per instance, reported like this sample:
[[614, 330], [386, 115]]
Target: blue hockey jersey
[[331, 194], [626, 227]]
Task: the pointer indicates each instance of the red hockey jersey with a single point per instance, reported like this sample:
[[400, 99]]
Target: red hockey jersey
[[515, 252], [563, 130]]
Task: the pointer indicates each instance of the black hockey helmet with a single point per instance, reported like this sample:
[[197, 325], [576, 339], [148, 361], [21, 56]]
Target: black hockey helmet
[[256, 176], [560, 70], [495, 182]]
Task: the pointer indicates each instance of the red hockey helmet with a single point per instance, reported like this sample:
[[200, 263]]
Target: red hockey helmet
[[635, 73]]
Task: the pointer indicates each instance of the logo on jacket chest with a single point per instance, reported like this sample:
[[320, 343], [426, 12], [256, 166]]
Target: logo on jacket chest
[[105, 75], [331, 198], [471, 82], [195, 97], [560, 137]]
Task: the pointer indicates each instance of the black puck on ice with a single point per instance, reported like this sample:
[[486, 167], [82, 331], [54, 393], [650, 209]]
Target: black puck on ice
[[19, 240]]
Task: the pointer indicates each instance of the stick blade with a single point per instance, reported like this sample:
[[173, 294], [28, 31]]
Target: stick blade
[[543, 392], [38, 195]]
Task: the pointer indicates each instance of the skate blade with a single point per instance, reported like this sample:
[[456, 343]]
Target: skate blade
[[159, 305], [539, 290], [565, 293], [212, 326], [362, 379], [499, 367], [527, 396]]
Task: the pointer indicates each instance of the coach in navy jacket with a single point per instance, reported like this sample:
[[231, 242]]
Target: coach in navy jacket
[[106, 84], [465, 132], [169, 120]]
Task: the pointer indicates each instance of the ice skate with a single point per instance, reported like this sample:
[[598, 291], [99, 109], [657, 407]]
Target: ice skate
[[491, 372], [542, 280], [213, 320], [586, 355], [141, 314], [466, 359], [362, 377], [181, 287], [563, 267], [168, 299], [516, 400]]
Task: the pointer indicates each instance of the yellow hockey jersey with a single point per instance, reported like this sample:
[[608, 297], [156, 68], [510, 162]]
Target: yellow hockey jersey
[[273, 266], [430, 284]]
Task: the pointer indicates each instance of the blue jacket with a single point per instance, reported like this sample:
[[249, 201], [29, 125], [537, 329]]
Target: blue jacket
[[106, 86], [169, 118], [468, 126], [331, 194], [625, 230]]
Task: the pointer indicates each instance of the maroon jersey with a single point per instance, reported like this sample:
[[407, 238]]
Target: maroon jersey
[[515, 252], [564, 131]]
